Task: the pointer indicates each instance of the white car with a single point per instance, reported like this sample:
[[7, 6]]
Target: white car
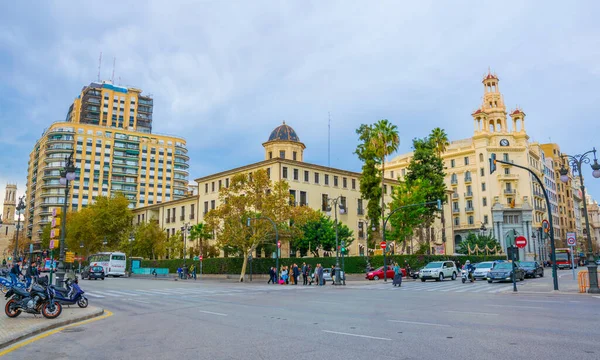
[[438, 270], [482, 270]]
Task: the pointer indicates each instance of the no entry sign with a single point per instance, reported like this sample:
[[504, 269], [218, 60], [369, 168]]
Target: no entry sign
[[382, 244], [521, 242]]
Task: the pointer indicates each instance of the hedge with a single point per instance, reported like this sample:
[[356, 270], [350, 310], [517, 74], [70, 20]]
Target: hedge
[[353, 264]]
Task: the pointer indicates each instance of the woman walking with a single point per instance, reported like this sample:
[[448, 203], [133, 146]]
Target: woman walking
[[397, 275]]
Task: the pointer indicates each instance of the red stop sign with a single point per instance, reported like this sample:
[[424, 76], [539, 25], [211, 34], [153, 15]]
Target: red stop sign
[[200, 257], [279, 244], [383, 244], [521, 242]]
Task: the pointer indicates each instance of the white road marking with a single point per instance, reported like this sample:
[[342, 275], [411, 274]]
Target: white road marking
[[356, 335], [516, 306], [119, 293], [93, 295], [597, 297], [139, 301], [418, 323], [470, 312], [212, 313], [506, 288], [542, 301]]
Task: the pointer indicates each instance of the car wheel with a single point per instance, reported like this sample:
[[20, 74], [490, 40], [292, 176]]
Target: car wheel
[[489, 281], [542, 274], [103, 278], [441, 278], [522, 277], [453, 276], [375, 277], [422, 280]]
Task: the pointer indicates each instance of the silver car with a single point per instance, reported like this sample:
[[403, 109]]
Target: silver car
[[327, 275], [482, 270]]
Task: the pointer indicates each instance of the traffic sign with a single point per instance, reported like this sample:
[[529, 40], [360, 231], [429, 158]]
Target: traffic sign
[[200, 257], [571, 239], [383, 244], [51, 244], [521, 242], [195, 258], [279, 244], [69, 257], [546, 226]]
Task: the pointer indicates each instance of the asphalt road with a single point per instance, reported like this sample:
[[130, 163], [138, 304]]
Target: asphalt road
[[160, 319]]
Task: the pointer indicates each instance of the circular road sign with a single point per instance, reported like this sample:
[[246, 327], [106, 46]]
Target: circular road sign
[[521, 242], [546, 226], [382, 244], [279, 244], [571, 241]]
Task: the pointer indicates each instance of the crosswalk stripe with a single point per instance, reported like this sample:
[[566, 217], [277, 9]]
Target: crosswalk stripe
[[441, 286], [120, 293], [93, 295], [506, 288]]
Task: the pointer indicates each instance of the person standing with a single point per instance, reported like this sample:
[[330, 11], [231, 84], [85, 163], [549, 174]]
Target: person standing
[[332, 275], [304, 274], [284, 275], [271, 275], [15, 272], [397, 275], [193, 271], [296, 274], [321, 280], [317, 274]]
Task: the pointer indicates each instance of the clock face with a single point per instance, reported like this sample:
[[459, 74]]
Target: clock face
[[504, 142]]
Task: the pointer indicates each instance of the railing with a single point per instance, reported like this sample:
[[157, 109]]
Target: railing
[[510, 191], [360, 211], [469, 209], [455, 195], [182, 217], [455, 211], [468, 179], [469, 194], [454, 181]]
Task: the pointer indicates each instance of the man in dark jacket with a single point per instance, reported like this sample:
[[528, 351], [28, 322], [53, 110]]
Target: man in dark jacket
[[304, 274], [15, 272], [271, 276], [296, 273]]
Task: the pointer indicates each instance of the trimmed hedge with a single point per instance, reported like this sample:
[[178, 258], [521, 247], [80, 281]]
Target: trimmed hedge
[[353, 264]]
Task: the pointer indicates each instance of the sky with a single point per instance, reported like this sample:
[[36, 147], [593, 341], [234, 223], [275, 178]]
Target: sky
[[223, 74]]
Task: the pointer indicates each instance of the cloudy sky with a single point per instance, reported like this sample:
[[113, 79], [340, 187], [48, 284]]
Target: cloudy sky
[[225, 73]]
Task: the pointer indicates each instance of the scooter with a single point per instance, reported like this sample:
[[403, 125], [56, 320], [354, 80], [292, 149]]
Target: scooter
[[70, 295], [467, 274]]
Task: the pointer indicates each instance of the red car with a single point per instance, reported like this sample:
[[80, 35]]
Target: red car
[[378, 274]]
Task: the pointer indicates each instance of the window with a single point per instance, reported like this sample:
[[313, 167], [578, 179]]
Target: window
[[192, 208], [269, 173], [392, 174], [471, 221], [205, 207], [316, 178], [220, 184], [454, 179], [326, 179], [212, 204], [335, 181], [505, 157], [360, 208], [455, 205], [296, 175], [306, 175], [467, 176], [282, 154], [481, 157], [342, 206], [206, 188], [452, 163], [469, 204], [284, 172], [481, 171], [361, 230], [293, 197], [484, 200], [182, 217], [485, 219], [345, 183], [168, 216], [324, 202], [212, 186], [506, 171], [294, 156], [482, 186], [466, 160], [353, 184], [385, 189], [270, 155], [303, 201], [456, 221], [227, 182]]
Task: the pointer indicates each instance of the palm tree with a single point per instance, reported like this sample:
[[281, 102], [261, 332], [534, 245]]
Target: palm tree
[[440, 139], [385, 141]]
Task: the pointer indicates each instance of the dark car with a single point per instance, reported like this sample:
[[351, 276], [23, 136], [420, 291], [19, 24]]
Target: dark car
[[503, 272], [532, 269], [92, 272]]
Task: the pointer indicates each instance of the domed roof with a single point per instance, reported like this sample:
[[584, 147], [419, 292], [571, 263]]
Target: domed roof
[[285, 133]]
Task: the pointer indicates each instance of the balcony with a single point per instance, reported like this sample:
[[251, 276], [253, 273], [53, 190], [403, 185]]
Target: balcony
[[469, 194], [455, 211], [508, 176], [469, 209], [510, 191], [168, 220], [468, 179], [360, 211], [455, 195], [454, 181]]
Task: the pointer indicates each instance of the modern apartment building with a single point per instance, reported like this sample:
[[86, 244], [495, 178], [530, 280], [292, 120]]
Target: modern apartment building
[[508, 203], [110, 157]]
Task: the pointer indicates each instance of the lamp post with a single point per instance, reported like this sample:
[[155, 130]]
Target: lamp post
[[20, 207], [276, 242], [482, 229], [67, 174], [131, 240], [81, 251], [184, 229], [336, 204], [576, 162]]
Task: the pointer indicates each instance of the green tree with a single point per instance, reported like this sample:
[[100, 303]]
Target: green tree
[[406, 196], [440, 140], [199, 236], [174, 245], [481, 241], [150, 241], [319, 234], [45, 237], [385, 141]]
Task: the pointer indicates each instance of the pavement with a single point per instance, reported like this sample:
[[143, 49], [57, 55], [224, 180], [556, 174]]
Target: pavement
[[27, 325], [214, 319]]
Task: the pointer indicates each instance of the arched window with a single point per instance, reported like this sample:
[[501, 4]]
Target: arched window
[[491, 126], [481, 157]]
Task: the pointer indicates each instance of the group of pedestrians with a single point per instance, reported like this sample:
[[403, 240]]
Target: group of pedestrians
[[291, 275], [15, 272], [187, 272]]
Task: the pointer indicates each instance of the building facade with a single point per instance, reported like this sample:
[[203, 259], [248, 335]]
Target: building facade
[[147, 168], [518, 201], [594, 220], [310, 185], [7, 221]]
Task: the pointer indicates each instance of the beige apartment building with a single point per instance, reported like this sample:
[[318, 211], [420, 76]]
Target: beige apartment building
[[310, 185], [507, 203], [108, 133]]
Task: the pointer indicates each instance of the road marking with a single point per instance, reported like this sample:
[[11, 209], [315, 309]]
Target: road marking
[[470, 312], [119, 293], [324, 302], [356, 335], [543, 301], [506, 288], [418, 323], [138, 301], [51, 332], [516, 306], [94, 295], [597, 297], [212, 313]]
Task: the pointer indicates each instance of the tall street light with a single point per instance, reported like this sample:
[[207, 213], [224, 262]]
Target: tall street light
[[184, 229], [20, 207], [576, 162], [482, 229], [337, 203], [67, 174]]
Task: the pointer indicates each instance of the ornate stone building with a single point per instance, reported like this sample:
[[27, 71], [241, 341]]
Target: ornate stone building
[[8, 224]]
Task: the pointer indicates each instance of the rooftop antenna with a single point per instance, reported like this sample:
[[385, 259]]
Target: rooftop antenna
[[329, 140], [112, 79], [99, 65]]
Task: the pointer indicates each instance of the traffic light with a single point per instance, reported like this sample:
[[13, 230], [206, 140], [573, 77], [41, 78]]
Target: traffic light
[[343, 250], [492, 164]]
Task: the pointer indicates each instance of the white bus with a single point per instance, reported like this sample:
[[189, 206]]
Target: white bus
[[112, 262]]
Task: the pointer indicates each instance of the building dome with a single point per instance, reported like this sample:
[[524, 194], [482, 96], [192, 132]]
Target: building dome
[[285, 133]]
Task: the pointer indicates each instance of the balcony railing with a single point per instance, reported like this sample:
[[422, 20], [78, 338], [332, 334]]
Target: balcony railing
[[468, 179], [469, 209], [510, 191], [469, 194], [360, 211], [455, 195], [454, 181], [455, 211]]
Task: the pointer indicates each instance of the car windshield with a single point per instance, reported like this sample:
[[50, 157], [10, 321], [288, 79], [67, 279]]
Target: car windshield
[[434, 265], [503, 266], [484, 265], [528, 264]]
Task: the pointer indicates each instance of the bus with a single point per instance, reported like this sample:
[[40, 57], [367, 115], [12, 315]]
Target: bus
[[563, 258], [112, 262]]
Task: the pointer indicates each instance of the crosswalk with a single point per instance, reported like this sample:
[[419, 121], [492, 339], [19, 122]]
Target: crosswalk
[[187, 291], [447, 286]]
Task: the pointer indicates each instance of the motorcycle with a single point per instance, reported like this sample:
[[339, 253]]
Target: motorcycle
[[38, 300], [6, 284], [414, 274], [71, 294], [467, 274]]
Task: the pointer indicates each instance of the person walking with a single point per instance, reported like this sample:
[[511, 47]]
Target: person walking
[[304, 274], [193, 271], [332, 275], [397, 275], [321, 280], [15, 272], [180, 272], [31, 273], [296, 274]]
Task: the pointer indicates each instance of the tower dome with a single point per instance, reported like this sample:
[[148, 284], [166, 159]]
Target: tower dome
[[284, 143]]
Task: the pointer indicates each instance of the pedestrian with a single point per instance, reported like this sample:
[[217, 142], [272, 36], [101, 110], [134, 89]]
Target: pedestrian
[[316, 274], [15, 272], [284, 275], [296, 274], [332, 275], [458, 264], [321, 280], [304, 274], [271, 276], [31, 273], [179, 272], [193, 271], [397, 275], [407, 268]]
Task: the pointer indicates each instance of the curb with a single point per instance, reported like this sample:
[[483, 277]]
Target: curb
[[51, 326]]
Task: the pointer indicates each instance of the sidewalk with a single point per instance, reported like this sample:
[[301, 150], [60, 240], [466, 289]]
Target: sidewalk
[[26, 325], [545, 285]]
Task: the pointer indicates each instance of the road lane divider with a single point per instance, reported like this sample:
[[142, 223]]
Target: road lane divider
[[418, 323], [212, 313], [356, 335]]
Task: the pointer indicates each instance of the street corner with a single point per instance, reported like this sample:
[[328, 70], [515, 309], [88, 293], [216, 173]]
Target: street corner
[[20, 331]]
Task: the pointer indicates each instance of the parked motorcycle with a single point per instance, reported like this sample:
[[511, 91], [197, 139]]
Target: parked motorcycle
[[71, 294], [38, 300], [467, 275], [6, 284]]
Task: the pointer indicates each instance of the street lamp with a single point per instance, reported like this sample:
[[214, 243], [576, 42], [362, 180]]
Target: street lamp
[[131, 239], [67, 174], [576, 162], [336, 204], [20, 207], [482, 229], [276, 241], [184, 229]]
